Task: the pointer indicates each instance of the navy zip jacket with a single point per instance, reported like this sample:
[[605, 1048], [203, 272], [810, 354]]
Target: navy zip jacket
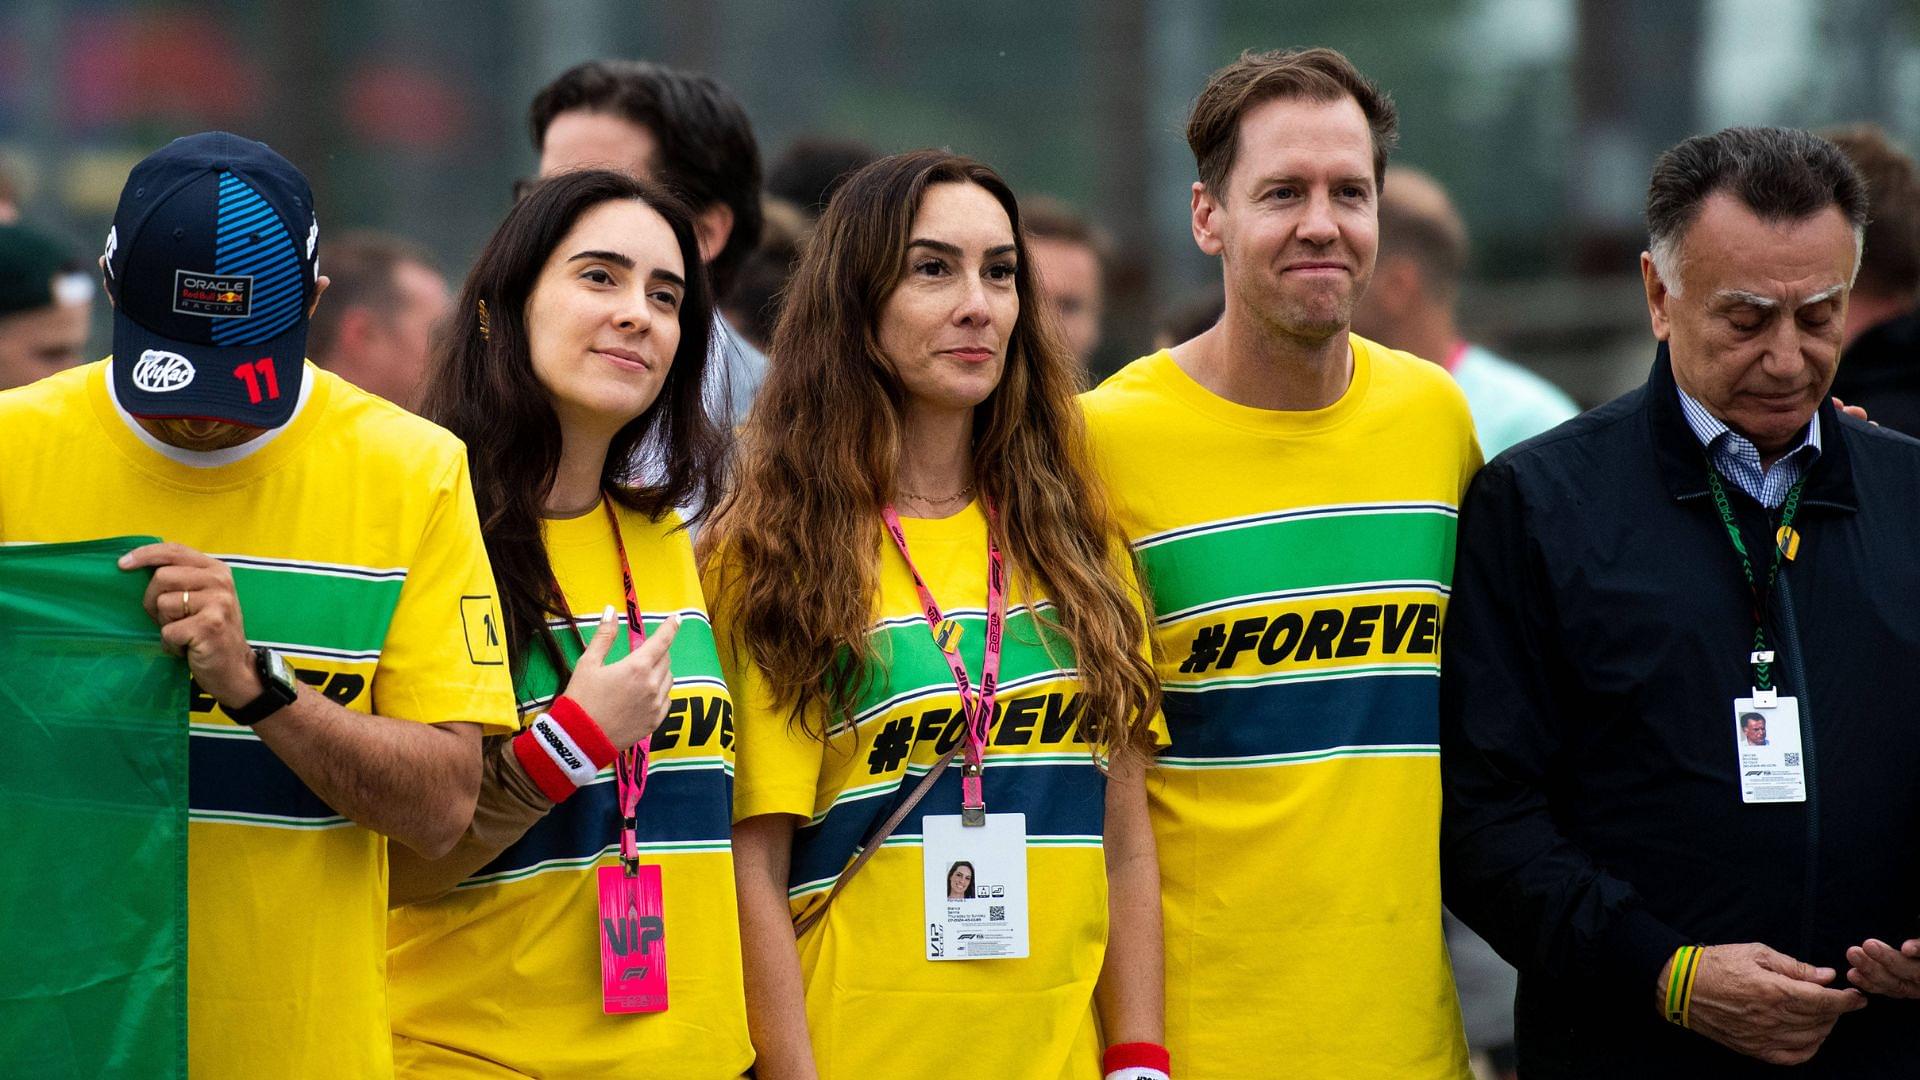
[[1597, 636]]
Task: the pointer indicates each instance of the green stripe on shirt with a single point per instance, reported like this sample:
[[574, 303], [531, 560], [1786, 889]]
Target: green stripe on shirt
[[1340, 547]]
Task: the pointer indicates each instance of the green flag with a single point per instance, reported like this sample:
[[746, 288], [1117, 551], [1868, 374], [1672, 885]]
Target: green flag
[[93, 797]]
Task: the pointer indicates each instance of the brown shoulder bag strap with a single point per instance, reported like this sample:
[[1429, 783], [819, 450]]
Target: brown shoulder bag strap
[[812, 918]]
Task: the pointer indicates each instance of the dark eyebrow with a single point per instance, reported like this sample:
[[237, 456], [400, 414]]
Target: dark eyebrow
[[1271, 181], [945, 248], [1365, 179], [670, 278], [613, 257]]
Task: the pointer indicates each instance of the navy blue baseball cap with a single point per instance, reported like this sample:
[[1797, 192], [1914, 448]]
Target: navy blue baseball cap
[[212, 261]]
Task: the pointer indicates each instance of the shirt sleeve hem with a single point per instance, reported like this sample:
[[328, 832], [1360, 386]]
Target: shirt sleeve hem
[[1642, 944], [755, 802]]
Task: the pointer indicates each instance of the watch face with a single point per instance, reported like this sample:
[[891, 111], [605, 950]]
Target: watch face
[[277, 669]]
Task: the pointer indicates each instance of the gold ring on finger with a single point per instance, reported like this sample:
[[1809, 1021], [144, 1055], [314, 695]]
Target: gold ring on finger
[[186, 602]]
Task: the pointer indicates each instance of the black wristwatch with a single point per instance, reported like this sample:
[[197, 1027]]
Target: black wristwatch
[[278, 688]]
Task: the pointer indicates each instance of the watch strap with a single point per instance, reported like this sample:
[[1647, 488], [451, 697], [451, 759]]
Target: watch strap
[[274, 695]]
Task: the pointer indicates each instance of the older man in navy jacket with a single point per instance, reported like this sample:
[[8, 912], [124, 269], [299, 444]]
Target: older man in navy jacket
[[1718, 542]]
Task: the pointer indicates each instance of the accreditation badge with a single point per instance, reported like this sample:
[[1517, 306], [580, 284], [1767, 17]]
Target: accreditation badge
[[1766, 739], [633, 940], [976, 882]]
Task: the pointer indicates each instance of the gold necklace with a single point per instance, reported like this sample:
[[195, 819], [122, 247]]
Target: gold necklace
[[935, 499]]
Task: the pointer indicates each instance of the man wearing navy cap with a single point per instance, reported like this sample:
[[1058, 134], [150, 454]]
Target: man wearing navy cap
[[322, 574]]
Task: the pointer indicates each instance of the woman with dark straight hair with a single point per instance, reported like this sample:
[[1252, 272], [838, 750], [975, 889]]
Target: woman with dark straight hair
[[573, 372], [936, 642]]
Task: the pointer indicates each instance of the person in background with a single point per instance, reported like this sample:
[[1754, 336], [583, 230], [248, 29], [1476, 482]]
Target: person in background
[[813, 167], [1192, 316], [915, 499], [689, 133], [9, 196], [1486, 984], [1880, 358], [754, 307], [1069, 261], [46, 301], [581, 334], [1412, 302], [376, 330]]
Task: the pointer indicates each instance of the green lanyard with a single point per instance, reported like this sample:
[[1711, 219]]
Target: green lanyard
[[1762, 656]]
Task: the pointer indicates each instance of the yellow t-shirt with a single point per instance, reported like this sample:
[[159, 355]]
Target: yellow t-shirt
[[356, 553], [501, 977], [1299, 564], [876, 1007]]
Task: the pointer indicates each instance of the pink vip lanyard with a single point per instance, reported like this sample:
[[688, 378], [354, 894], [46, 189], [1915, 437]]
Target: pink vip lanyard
[[976, 707], [630, 768]]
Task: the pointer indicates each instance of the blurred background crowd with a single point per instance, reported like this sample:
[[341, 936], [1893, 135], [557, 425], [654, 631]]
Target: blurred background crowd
[[1539, 118], [1511, 219]]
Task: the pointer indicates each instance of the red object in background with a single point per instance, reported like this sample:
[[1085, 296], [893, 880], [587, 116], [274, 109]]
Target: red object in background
[[391, 104], [169, 65]]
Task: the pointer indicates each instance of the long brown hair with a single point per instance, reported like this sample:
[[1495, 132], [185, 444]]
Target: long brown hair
[[483, 389], [794, 549]]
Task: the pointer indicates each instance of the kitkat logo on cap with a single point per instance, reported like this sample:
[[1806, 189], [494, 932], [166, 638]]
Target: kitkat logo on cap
[[216, 296], [159, 372]]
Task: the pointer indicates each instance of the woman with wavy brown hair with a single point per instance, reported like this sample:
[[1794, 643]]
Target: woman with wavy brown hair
[[936, 646]]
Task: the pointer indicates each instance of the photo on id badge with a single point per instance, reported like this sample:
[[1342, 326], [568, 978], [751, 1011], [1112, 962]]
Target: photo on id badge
[[976, 887], [1766, 741]]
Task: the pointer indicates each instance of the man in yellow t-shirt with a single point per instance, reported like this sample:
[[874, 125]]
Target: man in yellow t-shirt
[[1291, 491], [322, 574]]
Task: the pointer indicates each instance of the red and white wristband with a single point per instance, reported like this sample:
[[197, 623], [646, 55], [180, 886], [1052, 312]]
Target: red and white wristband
[[1137, 1061], [563, 749]]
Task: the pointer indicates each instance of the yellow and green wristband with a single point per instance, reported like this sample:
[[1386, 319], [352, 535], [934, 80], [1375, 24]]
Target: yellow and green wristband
[[1686, 964]]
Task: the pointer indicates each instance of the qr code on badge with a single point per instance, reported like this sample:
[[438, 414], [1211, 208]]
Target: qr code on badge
[[996, 913], [1793, 759]]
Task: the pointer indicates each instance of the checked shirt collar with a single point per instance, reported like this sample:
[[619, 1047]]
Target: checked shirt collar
[[1739, 460]]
